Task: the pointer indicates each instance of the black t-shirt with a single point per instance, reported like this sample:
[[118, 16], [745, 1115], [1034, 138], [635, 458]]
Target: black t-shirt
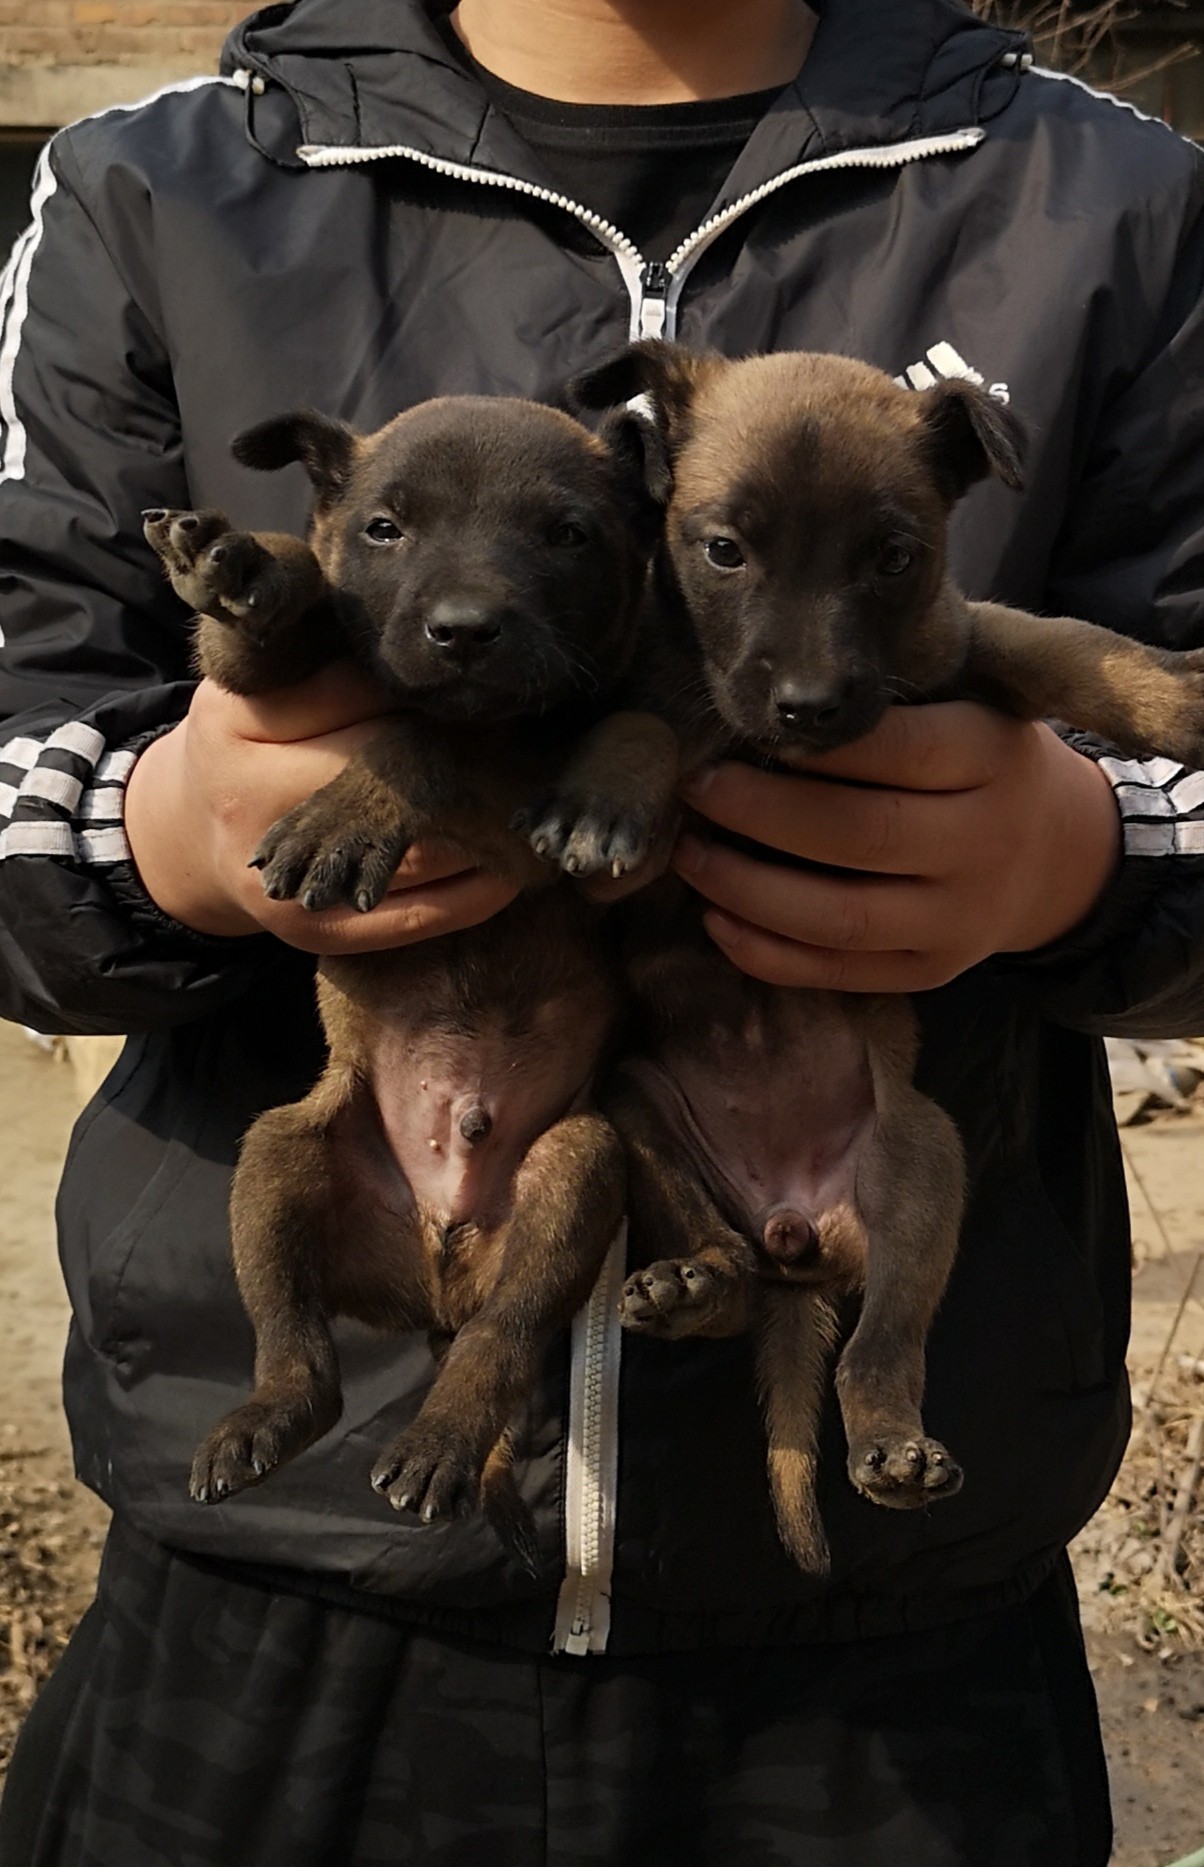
[[651, 170]]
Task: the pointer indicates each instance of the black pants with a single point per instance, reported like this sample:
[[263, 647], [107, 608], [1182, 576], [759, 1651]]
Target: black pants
[[198, 1720]]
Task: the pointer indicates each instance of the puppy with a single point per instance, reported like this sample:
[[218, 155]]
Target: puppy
[[485, 560], [780, 1158]]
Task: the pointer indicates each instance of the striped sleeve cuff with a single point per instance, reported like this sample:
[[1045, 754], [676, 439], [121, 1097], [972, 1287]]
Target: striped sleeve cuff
[[1161, 805], [62, 796]]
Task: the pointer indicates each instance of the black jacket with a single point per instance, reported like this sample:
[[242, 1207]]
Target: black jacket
[[343, 220]]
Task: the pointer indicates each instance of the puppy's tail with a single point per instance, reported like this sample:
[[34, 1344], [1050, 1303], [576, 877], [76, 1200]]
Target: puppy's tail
[[797, 1333], [505, 1512]]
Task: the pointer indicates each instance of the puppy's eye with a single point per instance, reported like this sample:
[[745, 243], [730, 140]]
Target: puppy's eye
[[894, 559], [382, 531], [724, 553], [568, 535]]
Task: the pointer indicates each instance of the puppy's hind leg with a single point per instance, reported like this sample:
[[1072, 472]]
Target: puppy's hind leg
[[283, 1215], [568, 1205], [910, 1191]]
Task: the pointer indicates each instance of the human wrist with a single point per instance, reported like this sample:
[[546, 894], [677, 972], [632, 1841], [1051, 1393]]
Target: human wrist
[[1079, 851], [172, 845]]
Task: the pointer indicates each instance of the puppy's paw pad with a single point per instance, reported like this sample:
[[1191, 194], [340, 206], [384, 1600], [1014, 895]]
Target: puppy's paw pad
[[673, 1297], [218, 572], [180, 537], [904, 1472]]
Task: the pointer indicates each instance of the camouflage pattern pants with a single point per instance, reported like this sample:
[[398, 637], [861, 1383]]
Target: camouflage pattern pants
[[199, 1720]]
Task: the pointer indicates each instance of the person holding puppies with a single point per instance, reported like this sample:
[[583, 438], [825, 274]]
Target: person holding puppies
[[376, 203]]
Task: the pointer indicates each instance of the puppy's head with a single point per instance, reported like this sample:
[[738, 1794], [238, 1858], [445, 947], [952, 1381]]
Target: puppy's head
[[806, 526], [486, 555]]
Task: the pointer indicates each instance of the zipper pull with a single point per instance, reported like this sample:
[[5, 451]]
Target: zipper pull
[[654, 288]]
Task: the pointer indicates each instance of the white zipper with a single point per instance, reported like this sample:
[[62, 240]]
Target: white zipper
[[654, 289], [683, 259], [592, 1464], [592, 1459]]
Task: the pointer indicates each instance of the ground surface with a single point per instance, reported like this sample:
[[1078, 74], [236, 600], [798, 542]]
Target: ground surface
[[1151, 1687]]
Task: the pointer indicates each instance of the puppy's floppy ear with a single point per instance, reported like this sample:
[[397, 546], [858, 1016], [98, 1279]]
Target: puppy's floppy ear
[[325, 448], [667, 374], [969, 435], [641, 456]]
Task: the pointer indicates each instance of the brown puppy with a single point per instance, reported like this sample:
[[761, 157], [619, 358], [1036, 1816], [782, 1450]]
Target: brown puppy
[[780, 1158], [485, 560]]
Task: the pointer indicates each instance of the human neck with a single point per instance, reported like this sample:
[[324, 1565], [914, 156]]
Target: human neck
[[637, 51]]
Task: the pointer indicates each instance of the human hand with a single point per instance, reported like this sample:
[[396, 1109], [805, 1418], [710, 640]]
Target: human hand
[[200, 798], [957, 833]]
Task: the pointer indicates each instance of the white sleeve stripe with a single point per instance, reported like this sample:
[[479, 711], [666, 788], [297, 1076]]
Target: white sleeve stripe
[[55, 787], [1140, 800], [76, 737], [94, 848], [12, 428], [1154, 771], [1157, 801], [12, 462], [37, 839], [102, 848], [1188, 794], [115, 767], [21, 753], [103, 804]]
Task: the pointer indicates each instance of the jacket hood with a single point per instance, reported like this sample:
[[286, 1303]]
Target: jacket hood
[[375, 74]]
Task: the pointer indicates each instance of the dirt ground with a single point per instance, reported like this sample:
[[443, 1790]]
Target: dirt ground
[[1150, 1681]]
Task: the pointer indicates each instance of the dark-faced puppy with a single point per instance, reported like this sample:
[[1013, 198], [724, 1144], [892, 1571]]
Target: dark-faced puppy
[[486, 561], [780, 1157]]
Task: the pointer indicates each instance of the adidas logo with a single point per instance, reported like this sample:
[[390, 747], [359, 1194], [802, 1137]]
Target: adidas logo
[[942, 362]]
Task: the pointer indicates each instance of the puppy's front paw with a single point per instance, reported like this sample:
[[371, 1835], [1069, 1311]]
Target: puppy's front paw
[[588, 835], [672, 1298], [320, 854], [220, 573], [903, 1472], [432, 1470]]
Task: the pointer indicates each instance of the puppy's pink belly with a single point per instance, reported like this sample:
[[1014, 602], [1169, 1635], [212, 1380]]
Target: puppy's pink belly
[[459, 1114], [776, 1122]]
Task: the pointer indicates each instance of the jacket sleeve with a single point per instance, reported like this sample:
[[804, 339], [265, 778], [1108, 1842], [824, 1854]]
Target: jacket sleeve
[[95, 645], [1131, 556]]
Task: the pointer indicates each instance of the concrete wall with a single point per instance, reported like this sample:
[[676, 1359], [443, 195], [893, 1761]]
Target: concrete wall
[[61, 59]]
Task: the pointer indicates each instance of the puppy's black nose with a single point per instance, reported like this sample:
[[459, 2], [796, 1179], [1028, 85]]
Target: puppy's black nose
[[462, 625], [802, 707]]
